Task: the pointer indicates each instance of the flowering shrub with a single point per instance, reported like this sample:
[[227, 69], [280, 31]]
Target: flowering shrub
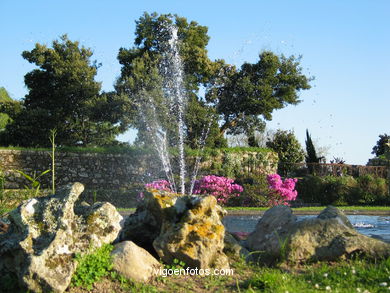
[[159, 185], [221, 187], [284, 190]]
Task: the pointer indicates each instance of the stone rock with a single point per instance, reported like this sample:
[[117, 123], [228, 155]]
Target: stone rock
[[188, 228], [271, 230], [331, 212], [3, 227], [197, 238], [143, 226], [134, 262], [233, 247], [330, 236], [45, 233]]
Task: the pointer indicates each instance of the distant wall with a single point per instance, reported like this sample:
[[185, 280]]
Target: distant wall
[[102, 171], [94, 170]]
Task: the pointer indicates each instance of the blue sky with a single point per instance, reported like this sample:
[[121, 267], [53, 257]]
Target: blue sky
[[345, 45]]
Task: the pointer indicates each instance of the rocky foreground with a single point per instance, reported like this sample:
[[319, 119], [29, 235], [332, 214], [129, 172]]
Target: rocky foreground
[[39, 239]]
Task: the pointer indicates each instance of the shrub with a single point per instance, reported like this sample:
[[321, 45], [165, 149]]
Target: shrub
[[159, 185], [221, 187], [92, 267], [343, 190], [265, 191], [372, 190], [286, 188], [254, 195]]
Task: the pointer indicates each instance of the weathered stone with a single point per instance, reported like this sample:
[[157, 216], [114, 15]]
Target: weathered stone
[[233, 247], [197, 238], [271, 230], [45, 233], [134, 262], [187, 228], [143, 226], [3, 227], [330, 236], [331, 212]]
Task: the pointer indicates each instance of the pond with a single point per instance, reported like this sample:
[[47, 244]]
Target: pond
[[373, 226]]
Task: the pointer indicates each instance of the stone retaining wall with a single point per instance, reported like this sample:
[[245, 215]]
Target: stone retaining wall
[[102, 171]]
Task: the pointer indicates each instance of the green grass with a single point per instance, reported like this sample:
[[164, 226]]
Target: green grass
[[344, 277], [126, 209]]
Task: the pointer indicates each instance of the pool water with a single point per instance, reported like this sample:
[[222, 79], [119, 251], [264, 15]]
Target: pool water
[[373, 226]]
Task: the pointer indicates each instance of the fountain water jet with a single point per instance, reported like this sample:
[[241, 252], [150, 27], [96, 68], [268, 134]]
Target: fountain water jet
[[173, 88], [175, 98]]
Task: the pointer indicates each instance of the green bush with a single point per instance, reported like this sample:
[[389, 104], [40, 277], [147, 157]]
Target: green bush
[[92, 267], [373, 190], [343, 190], [256, 192]]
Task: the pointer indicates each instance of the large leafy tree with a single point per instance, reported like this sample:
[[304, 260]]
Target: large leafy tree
[[288, 148], [4, 99], [246, 97], [381, 145], [63, 94], [241, 99], [141, 77]]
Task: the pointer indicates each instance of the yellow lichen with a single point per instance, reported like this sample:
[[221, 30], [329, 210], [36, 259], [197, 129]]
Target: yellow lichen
[[57, 260]]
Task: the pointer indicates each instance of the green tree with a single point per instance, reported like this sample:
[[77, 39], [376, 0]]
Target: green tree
[[288, 148], [311, 154], [7, 108], [141, 77], [4, 95], [245, 98], [202, 119], [381, 145], [242, 98], [64, 95]]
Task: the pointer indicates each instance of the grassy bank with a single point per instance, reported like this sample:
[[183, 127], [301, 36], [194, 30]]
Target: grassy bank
[[346, 276]]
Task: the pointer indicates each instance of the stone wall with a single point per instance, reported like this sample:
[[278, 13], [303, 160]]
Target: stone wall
[[102, 171], [94, 170]]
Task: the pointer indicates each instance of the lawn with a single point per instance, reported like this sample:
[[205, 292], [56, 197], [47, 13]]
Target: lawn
[[345, 276]]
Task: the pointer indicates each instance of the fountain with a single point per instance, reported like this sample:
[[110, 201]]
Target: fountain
[[175, 100]]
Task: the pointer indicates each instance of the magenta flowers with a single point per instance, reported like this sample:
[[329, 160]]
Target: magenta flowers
[[221, 187], [159, 185], [285, 189]]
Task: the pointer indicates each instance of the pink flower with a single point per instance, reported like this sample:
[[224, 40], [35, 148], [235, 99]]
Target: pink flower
[[221, 187], [285, 189], [159, 185]]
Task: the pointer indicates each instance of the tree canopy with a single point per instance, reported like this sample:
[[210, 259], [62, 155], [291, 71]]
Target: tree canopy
[[221, 99], [246, 97], [63, 94], [288, 148], [242, 99], [8, 108], [4, 118], [142, 76], [381, 145]]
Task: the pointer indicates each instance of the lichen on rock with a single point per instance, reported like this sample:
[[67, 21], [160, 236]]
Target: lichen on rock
[[172, 226], [328, 237], [45, 233]]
